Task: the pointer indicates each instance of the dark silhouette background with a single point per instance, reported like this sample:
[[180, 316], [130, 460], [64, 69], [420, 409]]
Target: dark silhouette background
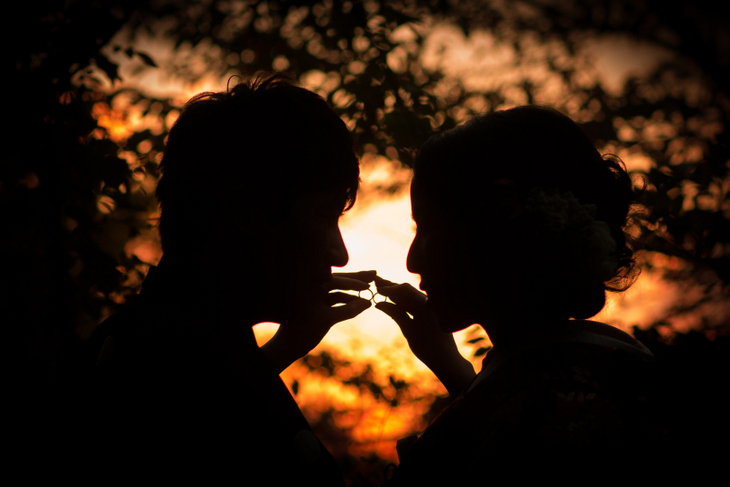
[[69, 202]]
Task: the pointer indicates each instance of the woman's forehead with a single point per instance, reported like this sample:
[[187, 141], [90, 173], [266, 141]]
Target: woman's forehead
[[423, 207]]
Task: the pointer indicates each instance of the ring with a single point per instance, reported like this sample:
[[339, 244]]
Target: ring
[[372, 294], [375, 297]]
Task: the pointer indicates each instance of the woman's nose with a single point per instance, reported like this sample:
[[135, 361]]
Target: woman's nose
[[415, 256], [337, 250]]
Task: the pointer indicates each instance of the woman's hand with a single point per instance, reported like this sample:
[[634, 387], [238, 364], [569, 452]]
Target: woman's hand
[[433, 346], [293, 341]]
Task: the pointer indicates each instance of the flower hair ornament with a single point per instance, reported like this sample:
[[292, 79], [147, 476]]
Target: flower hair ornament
[[566, 227]]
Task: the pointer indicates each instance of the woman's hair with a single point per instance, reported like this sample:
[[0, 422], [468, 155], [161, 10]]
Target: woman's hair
[[260, 144], [524, 158]]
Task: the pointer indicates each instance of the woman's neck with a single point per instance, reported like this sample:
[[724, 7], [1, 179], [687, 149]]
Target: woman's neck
[[521, 329]]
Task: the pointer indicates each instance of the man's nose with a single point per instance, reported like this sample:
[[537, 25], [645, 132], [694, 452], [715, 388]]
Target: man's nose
[[338, 251]]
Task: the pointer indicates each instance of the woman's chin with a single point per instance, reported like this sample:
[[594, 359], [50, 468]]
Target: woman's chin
[[454, 326], [450, 318]]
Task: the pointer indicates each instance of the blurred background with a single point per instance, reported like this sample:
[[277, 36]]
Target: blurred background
[[95, 86]]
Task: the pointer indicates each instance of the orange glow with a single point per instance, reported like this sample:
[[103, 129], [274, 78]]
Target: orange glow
[[114, 121], [378, 232], [654, 297], [145, 246]]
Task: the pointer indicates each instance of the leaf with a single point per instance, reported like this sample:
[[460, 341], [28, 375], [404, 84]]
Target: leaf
[[375, 389], [147, 59], [111, 69], [482, 351]]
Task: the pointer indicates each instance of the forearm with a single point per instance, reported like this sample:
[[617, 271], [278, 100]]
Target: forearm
[[454, 372]]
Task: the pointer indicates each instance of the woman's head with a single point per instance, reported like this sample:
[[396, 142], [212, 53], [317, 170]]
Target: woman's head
[[524, 192]]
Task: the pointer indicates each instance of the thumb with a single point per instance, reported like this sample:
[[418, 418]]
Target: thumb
[[397, 313], [349, 310]]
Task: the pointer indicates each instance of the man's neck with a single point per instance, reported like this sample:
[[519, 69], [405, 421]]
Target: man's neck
[[199, 287]]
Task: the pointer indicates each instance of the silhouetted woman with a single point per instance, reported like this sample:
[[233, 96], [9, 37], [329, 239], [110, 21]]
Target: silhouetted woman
[[521, 229]]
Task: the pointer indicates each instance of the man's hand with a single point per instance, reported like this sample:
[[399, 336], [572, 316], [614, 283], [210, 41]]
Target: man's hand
[[294, 340]]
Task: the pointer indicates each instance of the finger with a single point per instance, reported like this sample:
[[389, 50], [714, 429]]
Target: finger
[[340, 298], [405, 295], [364, 276], [349, 310], [379, 281], [340, 282], [398, 314]]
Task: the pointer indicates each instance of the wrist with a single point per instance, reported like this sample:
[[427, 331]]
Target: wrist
[[455, 374], [283, 349]]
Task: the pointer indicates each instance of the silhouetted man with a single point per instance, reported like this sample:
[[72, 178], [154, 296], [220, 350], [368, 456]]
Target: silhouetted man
[[253, 182]]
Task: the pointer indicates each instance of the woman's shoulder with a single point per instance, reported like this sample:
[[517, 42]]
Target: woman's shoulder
[[594, 332], [593, 371], [583, 389], [580, 345], [584, 394], [588, 356]]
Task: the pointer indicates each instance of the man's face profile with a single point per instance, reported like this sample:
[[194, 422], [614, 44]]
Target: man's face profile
[[268, 228], [298, 252]]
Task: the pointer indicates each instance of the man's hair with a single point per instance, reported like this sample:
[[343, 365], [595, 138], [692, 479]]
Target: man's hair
[[260, 144]]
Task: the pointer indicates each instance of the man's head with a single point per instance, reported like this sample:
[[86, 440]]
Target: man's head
[[254, 149], [254, 180]]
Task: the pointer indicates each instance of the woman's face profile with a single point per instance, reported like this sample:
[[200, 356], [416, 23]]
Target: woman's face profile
[[440, 254]]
